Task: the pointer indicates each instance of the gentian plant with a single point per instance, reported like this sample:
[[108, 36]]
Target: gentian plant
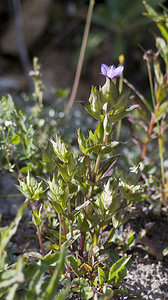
[[80, 202], [85, 197]]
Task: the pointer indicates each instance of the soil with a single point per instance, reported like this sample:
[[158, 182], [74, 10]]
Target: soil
[[148, 274]]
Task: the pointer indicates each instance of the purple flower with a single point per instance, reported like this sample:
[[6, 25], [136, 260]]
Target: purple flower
[[111, 72]]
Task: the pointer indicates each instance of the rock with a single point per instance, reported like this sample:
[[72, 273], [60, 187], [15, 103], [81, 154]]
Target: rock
[[35, 15]]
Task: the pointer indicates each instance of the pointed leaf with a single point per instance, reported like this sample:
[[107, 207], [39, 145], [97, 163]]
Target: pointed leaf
[[118, 267]]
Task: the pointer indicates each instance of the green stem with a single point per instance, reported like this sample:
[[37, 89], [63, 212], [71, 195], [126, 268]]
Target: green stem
[[120, 91], [160, 139], [60, 231], [69, 212], [151, 84], [118, 130], [96, 170]]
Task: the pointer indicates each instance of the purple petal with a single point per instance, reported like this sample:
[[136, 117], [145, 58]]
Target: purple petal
[[110, 71], [117, 72], [104, 69]]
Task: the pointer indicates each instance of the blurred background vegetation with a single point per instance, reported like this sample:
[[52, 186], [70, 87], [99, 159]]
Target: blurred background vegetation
[[52, 30]]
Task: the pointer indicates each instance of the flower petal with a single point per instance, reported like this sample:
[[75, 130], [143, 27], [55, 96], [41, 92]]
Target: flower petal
[[104, 69], [111, 72], [117, 72]]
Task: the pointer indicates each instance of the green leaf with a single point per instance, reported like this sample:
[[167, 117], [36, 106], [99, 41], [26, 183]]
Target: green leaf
[[10, 277], [116, 268], [110, 147], [158, 72], [120, 114], [3, 260], [15, 139], [84, 227], [162, 47], [131, 238], [107, 124], [151, 12], [165, 251], [61, 295], [60, 149], [71, 164], [115, 205], [98, 134], [31, 189], [102, 277], [107, 292], [78, 209], [96, 101], [110, 92], [63, 172], [72, 263], [107, 195], [37, 280], [7, 234], [70, 241], [36, 218], [82, 142], [58, 208], [33, 254], [51, 289], [50, 259], [48, 157], [95, 115], [162, 110], [107, 168], [163, 31], [85, 288], [115, 221], [122, 100]]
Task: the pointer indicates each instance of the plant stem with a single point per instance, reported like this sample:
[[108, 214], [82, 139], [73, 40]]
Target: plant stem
[[60, 231], [96, 170], [89, 167], [140, 96], [81, 57], [151, 84], [100, 234], [82, 242], [161, 153], [69, 212], [121, 59], [144, 149]]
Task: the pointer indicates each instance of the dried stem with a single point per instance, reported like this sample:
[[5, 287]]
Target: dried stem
[[144, 149], [81, 57]]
